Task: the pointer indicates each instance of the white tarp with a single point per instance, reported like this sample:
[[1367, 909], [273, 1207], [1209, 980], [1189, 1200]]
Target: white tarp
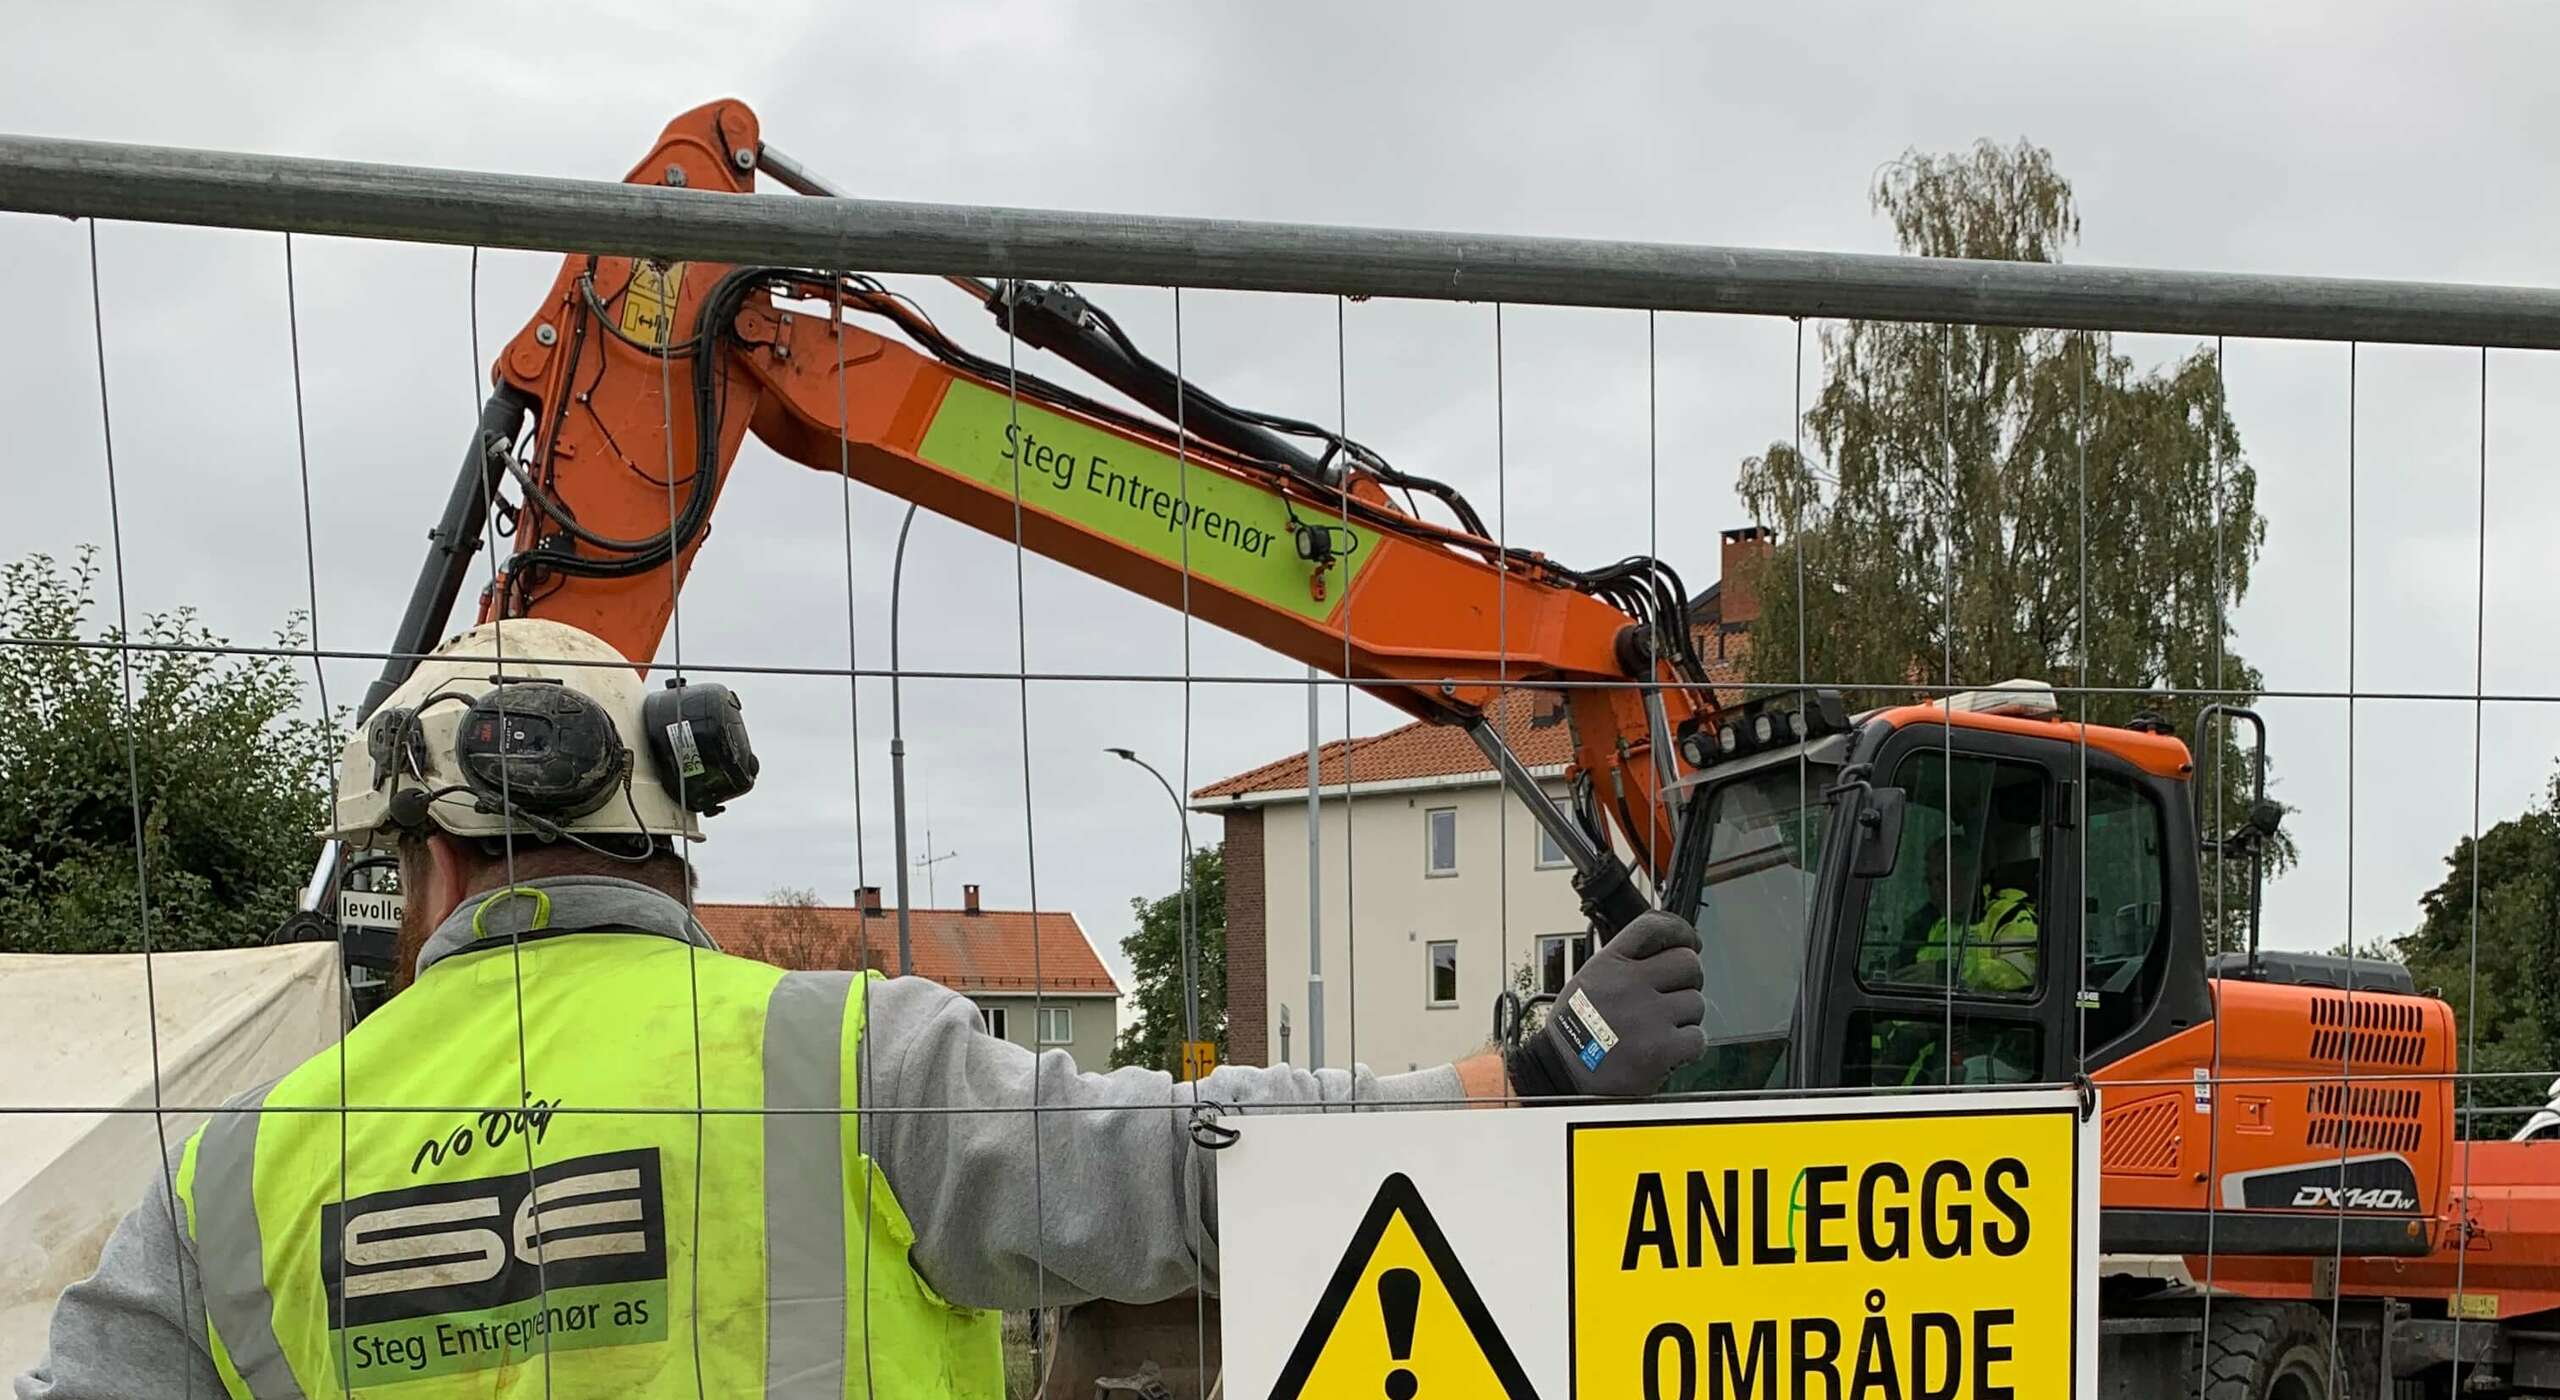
[[78, 1036]]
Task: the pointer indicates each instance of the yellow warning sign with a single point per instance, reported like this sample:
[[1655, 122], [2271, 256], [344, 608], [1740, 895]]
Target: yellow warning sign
[[649, 302], [1931, 1256], [1399, 1318], [1198, 1058]]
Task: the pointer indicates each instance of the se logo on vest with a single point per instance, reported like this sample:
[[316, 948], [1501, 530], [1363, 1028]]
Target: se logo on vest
[[462, 1275]]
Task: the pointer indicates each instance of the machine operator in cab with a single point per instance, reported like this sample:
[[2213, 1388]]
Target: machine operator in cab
[[1968, 937], [1995, 943], [583, 1152]]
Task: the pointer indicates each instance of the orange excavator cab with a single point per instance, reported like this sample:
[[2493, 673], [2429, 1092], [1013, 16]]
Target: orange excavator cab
[[2274, 1126]]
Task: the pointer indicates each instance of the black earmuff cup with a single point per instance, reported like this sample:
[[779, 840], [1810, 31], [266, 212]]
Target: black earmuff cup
[[540, 748], [698, 739]]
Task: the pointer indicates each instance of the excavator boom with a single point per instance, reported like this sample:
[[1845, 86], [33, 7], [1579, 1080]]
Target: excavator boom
[[637, 381]]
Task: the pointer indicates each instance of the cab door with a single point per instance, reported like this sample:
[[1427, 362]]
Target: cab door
[[1957, 967]]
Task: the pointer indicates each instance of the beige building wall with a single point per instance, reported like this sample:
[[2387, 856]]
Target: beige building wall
[[1093, 1022], [1493, 908]]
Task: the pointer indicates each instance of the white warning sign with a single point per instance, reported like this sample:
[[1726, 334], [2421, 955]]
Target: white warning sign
[[1921, 1248]]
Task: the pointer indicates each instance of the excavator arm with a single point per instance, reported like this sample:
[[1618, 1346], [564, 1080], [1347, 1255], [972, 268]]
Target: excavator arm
[[621, 406]]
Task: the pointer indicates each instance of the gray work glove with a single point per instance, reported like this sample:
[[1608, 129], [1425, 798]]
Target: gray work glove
[[1625, 1021]]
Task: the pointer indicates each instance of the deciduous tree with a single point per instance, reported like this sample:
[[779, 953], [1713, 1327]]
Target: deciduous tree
[[2507, 1002], [1154, 1030], [216, 763], [1979, 503]]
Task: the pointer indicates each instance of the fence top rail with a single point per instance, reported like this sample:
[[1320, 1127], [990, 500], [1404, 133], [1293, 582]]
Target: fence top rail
[[161, 184]]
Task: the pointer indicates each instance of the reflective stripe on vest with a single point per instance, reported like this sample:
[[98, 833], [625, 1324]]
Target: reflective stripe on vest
[[804, 1195], [824, 1291], [2011, 933], [229, 1256], [2003, 904], [1987, 943]]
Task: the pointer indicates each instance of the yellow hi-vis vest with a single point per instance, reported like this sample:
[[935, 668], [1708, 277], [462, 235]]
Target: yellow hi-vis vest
[[1999, 950], [491, 1234]]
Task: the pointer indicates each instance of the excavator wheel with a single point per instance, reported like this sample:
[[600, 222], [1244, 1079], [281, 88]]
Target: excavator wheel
[[2267, 1351]]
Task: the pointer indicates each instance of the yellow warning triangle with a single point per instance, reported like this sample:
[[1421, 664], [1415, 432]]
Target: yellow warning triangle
[[1400, 1318]]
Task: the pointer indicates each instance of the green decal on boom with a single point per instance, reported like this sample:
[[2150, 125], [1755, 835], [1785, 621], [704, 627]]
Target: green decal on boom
[[1238, 534]]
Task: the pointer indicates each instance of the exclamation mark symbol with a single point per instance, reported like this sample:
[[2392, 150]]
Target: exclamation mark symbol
[[1399, 1294]]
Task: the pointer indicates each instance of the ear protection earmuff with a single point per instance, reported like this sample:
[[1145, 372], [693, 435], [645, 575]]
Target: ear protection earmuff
[[540, 748], [698, 739]]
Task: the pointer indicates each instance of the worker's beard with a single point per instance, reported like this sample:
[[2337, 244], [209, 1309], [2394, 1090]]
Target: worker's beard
[[416, 923], [415, 927]]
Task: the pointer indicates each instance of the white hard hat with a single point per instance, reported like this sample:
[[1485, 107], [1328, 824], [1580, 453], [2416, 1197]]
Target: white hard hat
[[538, 729]]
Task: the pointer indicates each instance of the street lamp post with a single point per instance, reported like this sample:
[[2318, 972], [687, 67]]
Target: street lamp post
[[1183, 914], [898, 748]]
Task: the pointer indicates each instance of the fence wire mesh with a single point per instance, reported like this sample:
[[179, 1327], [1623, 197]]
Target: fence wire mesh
[[1624, 412]]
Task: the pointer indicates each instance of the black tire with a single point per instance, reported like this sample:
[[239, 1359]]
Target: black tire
[[2268, 1351]]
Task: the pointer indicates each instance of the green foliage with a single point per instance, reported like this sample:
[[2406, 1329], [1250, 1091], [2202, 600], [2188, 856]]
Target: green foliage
[[230, 770], [2509, 1013], [1154, 1033], [1948, 518]]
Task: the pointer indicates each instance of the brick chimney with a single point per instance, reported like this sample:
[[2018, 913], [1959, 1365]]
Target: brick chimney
[[969, 899], [867, 900], [1743, 551]]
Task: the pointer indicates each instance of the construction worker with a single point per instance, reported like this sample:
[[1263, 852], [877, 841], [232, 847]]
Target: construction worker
[[1998, 949], [583, 1152], [1996, 955]]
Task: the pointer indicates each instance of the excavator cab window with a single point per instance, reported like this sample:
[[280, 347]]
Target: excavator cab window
[[2126, 915], [1960, 910], [1763, 855], [1951, 951], [1911, 1049]]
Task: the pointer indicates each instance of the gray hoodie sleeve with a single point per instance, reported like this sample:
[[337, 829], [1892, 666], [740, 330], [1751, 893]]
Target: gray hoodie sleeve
[[124, 1331], [1118, 1203]]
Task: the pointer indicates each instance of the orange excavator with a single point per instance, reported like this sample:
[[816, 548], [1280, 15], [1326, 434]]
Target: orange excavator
[[2279, 1131]]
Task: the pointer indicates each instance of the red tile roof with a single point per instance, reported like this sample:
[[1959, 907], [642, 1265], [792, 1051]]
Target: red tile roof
[[1424, 750], [1418, 750], [990, 952]]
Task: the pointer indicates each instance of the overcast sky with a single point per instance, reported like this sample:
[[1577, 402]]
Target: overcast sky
[[2335, 139]]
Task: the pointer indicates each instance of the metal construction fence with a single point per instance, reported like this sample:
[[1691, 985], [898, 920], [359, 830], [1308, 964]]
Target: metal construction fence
[[2451, 734]]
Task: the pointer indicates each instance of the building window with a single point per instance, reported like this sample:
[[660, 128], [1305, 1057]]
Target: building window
[[1560, 956], [1550, 855], [1440, 841], [1057, 1025], [993, 1018], [1440, 971]]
